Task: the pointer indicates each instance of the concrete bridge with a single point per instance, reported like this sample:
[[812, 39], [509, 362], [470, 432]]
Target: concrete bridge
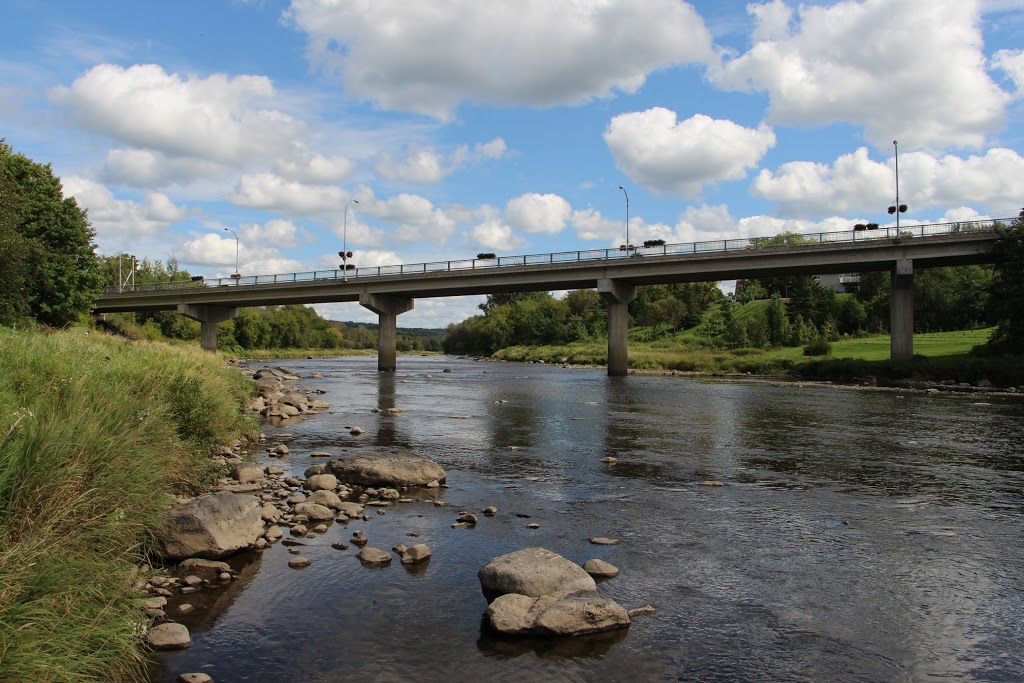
[[390, 291]]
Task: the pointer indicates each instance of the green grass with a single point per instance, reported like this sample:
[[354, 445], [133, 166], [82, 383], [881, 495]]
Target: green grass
[[945, 356], [95, 432]]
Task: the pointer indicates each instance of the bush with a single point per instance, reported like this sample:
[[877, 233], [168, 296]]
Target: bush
[[820, 347]]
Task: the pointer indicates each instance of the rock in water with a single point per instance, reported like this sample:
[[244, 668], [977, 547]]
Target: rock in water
[[387, 468], [210, 526], [559, 614], [169, 637], [533, 572]]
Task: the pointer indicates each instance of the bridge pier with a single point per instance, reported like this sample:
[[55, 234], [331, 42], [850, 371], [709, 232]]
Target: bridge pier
[[617, 294], [208, 317], [901, 311], [388, 308]]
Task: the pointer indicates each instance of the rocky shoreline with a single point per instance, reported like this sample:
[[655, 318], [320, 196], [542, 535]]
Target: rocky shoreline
[[533, 592]]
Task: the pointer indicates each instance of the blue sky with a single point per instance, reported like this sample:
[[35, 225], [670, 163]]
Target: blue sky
[[507, 126]]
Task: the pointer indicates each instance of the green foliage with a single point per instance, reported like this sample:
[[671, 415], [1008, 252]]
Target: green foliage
[[90, 447], [1007, 289], [818, 347], [50, 272]]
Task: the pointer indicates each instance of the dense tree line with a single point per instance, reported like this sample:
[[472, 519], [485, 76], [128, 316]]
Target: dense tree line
[[49, 270], [1007, 289]]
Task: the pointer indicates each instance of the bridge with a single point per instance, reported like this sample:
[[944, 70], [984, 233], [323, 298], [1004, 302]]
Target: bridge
[[390, 291]]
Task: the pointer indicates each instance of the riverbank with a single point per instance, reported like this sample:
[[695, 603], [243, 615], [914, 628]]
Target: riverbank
[[97, 436]]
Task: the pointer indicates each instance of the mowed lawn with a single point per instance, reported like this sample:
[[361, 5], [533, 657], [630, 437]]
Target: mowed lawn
[[931, 344]]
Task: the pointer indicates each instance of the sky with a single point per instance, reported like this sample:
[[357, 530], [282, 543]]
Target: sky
[[411, 132]]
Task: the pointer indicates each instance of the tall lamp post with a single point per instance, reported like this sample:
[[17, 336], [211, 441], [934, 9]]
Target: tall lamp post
[[897, 208], [627, 217], [344, 254], [236, 274]]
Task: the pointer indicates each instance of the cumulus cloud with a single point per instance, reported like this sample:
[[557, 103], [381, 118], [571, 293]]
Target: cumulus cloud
[[534, 212], [316, 168], [423, 166], [495, 234], [1011, 62], [147, 168], [680, 157], [897, 68], [277, 232], [122, 220], [416, 218], [856, 184], [430, 55], [216, 118], [272, 192]]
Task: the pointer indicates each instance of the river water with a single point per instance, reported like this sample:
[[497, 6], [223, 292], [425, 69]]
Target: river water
[[858, 536]]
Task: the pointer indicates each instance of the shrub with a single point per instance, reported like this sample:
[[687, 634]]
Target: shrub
[[819, 347]]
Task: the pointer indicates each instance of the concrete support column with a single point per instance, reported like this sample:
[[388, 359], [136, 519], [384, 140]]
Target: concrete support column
[[617, 295], [387, 308], [901, 311], [208, 317]]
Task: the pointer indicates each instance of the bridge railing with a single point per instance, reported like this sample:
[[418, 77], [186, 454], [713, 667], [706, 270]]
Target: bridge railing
[[859, 234]]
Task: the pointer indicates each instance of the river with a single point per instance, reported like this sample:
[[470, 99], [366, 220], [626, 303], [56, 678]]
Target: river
[[858, 535]]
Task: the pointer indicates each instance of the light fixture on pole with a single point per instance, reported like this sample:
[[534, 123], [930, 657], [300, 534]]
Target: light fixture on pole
[[897, 208], [345, 254], [236, 274], [628, 246]]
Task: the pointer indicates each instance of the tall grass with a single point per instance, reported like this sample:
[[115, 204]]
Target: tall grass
[[95, 433]]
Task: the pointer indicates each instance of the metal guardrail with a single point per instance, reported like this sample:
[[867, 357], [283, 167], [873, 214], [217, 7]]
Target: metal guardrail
[[632, 251]]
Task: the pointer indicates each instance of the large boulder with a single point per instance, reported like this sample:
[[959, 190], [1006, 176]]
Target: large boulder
[[533, 572], [315, 512], [559, 614], [210, 526], [387, 468]]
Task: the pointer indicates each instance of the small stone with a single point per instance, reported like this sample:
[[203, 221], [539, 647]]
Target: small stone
[[468, 518], [374, 557], [711, 482], [416, 554], [195, 678], [490, 510], [299, 562], [641, 611], [600, 569], [601, 540], [224, 576], [532, 525], [356, 431], [169, 637], [192, 580], [320, 528], [185, 608], [400, 548], [299, 530], [340, 546], [610, 460]]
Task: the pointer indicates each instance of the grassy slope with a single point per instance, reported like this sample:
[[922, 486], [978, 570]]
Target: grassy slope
[[94, 433]]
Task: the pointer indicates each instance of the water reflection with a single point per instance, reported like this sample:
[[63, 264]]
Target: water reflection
[[594, 646]]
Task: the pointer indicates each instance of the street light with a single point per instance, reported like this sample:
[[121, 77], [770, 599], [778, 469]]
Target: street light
[[897, 208], [627, 216], [236, 274], [344, 243]]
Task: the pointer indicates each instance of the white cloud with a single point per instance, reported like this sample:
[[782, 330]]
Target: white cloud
[[216, 118], [122, 221], [146, 168], [316, 168], [427, 57], [273, 193], [856, 184], [664, 155], [211, 250], [1012, 62], [534, 212], [418, 166], [591, 225], [495, 234], [277, 232], [416, 217], [423, 166], [904, 70]]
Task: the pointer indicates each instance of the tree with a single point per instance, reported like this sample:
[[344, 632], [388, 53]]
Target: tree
[[778, 323], [1007, 289], [46, 243]]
